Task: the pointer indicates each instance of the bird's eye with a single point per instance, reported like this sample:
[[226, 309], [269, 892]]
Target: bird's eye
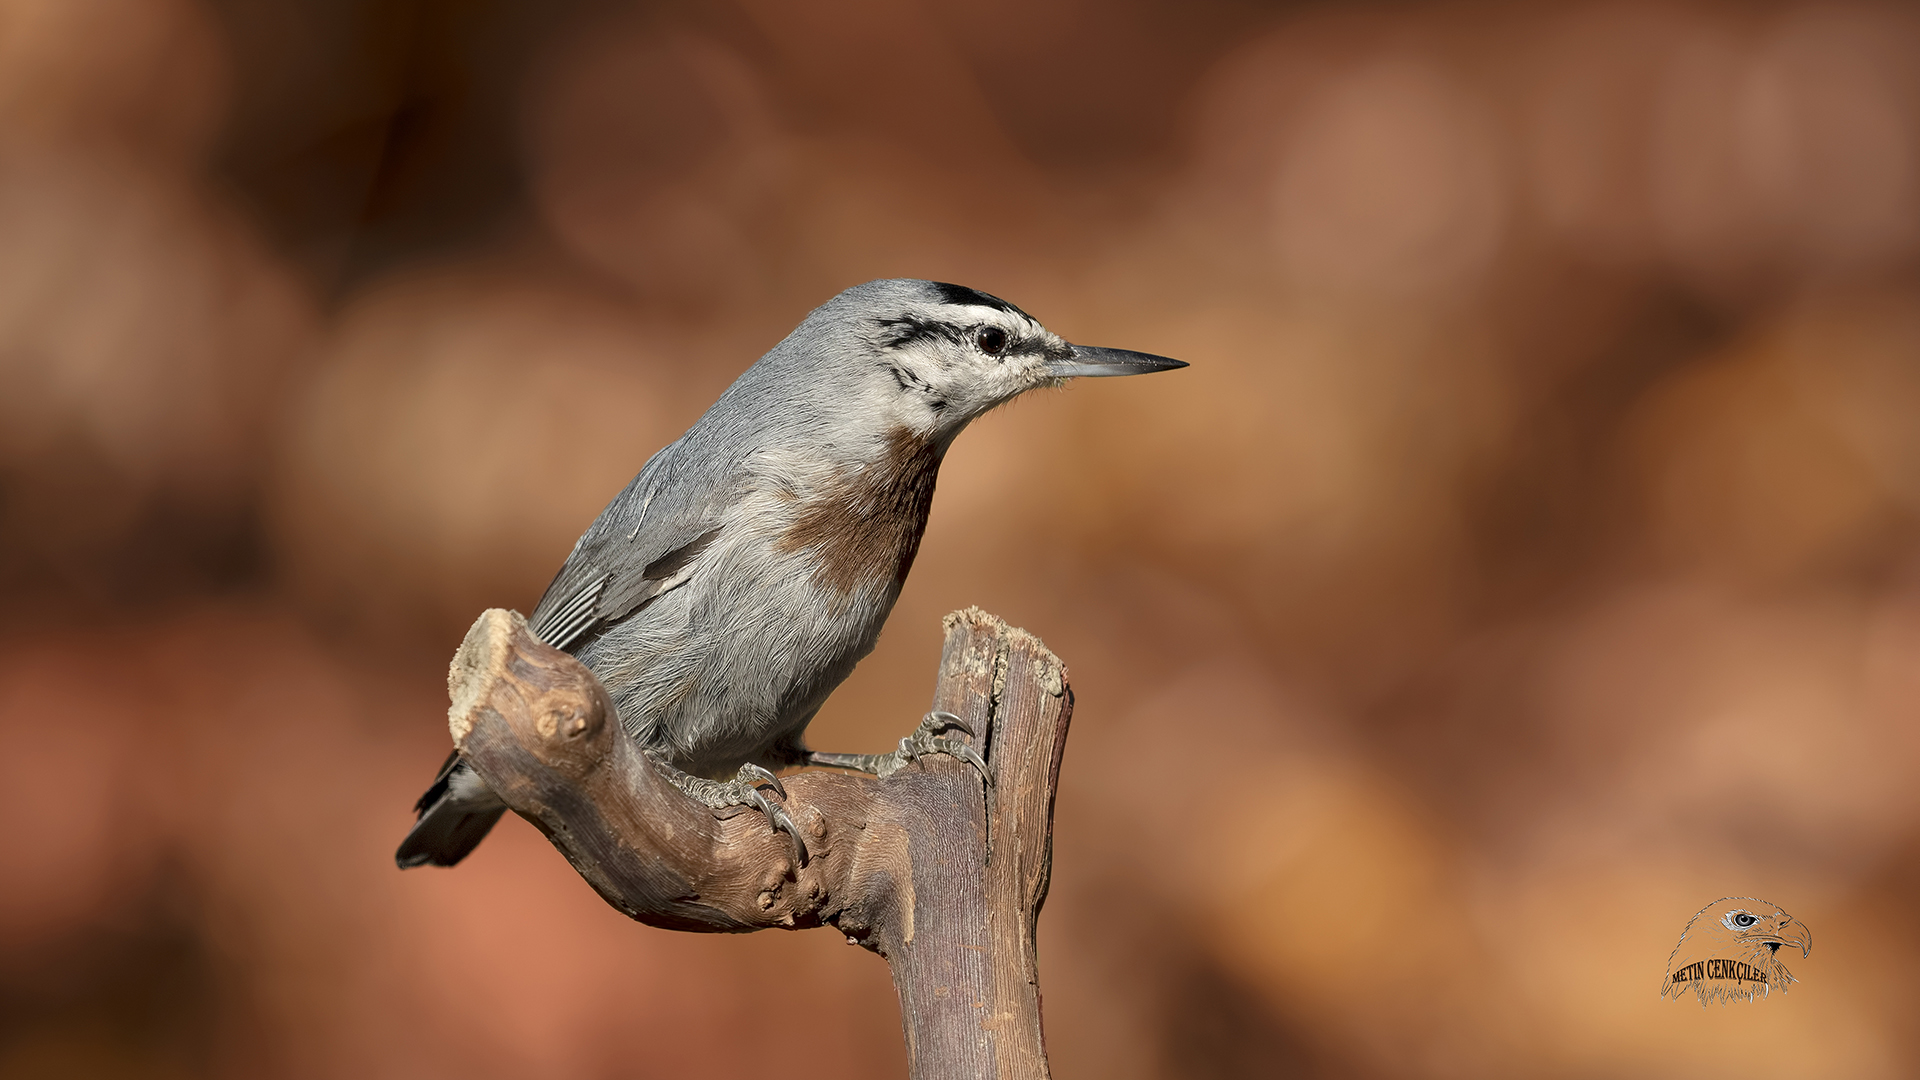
[[1744, 919], [992, 340]]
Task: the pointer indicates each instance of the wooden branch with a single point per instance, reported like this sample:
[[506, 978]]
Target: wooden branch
[[942, 879]]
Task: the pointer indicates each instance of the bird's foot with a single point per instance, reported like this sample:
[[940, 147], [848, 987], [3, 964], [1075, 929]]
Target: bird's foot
[[742, 790], [924, 740]]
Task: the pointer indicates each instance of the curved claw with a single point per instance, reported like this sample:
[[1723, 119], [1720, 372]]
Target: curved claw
[[947, 721], [778, 819], [965, 753], [750, 774], [783, 823], [759, 802]]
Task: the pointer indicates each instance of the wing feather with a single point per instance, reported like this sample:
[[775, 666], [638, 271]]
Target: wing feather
[[640, 546]]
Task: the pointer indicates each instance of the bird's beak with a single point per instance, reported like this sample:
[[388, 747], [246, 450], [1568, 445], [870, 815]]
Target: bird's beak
[[1087, 361], [1796, 933]]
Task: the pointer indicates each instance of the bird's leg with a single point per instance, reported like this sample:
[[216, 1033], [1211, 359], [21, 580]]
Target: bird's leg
[[742, 790], [924, 740]]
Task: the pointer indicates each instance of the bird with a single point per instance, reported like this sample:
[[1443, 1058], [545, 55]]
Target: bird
[[734, 583], [1730, 951]]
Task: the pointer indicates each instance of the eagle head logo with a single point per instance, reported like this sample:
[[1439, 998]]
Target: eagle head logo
[[1730, 951]]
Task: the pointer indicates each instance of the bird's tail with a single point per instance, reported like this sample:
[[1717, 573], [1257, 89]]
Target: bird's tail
[[456, 814]]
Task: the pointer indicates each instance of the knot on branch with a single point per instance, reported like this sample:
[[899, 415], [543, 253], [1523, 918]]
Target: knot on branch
[[558, 711]]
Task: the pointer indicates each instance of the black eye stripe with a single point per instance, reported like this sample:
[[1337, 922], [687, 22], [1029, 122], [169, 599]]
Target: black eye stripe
[[906, 330]]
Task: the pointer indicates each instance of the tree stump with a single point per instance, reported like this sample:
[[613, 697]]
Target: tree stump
[[926, 868]]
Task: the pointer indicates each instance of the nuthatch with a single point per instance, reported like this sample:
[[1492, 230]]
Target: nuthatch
[[737, 580]]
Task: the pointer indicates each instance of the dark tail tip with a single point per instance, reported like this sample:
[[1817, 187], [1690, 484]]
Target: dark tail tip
[[445, 834]]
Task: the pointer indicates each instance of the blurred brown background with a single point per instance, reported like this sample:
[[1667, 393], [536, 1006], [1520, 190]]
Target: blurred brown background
[[1527, 559]]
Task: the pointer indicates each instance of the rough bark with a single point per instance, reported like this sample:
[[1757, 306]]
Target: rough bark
[[926, 868]]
